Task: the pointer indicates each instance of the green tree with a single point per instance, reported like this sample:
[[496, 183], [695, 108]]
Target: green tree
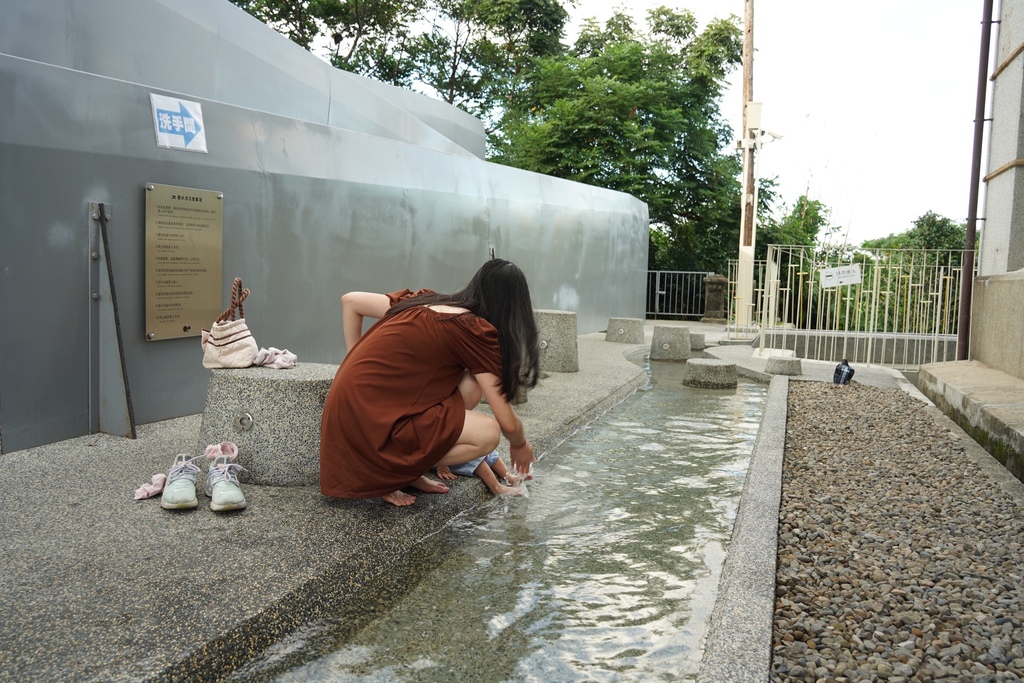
[[930, 231], [638, 112], [375, 38], [470, 53], [369, 37], [806, 222], [448, 55], [300, 20], [476, 51]]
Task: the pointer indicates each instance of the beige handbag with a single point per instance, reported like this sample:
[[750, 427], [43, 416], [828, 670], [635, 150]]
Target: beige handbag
[[228, 343]]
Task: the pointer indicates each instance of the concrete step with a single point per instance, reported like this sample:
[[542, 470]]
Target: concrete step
[[986, 403]]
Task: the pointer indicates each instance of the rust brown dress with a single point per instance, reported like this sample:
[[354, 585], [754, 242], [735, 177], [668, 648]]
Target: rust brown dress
[[394, 408]]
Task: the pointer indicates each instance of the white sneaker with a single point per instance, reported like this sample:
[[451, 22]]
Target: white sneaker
[[222, 484], [180, 489]]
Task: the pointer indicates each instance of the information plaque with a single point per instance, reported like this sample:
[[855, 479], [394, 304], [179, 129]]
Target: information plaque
[[184, 248]]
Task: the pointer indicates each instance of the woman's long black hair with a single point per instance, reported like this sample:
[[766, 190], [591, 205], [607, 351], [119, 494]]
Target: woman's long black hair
[[499, 294]]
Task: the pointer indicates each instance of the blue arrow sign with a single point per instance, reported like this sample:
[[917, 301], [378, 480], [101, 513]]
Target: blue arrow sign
[[179, 122]]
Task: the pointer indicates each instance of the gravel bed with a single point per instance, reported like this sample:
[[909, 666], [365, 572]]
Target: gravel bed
[[899, 557]]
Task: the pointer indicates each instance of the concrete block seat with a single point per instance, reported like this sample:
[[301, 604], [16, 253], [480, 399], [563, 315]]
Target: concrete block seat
[[274, 418], [670, 343], [625, 330], [709, 373], [559, 351], [783, 365]]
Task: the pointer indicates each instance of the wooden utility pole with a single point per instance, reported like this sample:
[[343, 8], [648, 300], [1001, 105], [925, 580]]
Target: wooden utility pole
[[748, 152], [744, 291]]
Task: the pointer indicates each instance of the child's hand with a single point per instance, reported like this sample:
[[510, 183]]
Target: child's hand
[[443, 472]]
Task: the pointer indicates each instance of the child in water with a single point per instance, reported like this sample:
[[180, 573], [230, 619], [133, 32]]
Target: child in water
[[491, 470]]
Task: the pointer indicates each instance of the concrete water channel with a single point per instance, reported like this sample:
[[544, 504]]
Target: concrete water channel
[[104, 587], [607, 570]]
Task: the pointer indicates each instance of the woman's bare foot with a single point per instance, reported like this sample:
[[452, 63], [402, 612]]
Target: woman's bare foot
[[429, 485], [444, 472], [399, 498]]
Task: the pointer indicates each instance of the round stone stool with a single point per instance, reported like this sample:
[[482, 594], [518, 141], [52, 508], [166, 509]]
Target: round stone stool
[[709, 373], [781, 365], [558, 347], [670, 343], [625, 330], [273, 416]]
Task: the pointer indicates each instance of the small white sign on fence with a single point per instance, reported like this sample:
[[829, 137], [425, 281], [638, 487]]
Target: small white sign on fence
[[843, 275]]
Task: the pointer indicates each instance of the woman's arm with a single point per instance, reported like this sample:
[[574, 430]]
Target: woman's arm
[[355, 306], [520, 448]]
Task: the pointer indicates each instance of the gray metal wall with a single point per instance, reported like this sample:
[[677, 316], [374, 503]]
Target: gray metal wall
[[1001, 236], [328, 187], [210, 49], [997, 339]]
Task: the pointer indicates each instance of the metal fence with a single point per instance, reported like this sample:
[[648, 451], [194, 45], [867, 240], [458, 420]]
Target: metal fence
[[893, 307], [732, 300], [675, 294]]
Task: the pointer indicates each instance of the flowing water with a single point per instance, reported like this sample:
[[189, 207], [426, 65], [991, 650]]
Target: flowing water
[[606, 571]]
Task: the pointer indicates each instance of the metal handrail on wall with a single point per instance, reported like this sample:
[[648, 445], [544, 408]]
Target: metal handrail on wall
[[893, 307]]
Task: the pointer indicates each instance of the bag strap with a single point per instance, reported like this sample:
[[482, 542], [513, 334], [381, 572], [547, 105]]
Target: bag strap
[[238, 295]]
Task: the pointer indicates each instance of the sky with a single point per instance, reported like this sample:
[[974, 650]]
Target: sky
[[874, 101]]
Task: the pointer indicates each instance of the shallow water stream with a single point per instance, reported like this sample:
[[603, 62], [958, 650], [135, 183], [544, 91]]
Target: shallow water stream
[[606, 571]]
